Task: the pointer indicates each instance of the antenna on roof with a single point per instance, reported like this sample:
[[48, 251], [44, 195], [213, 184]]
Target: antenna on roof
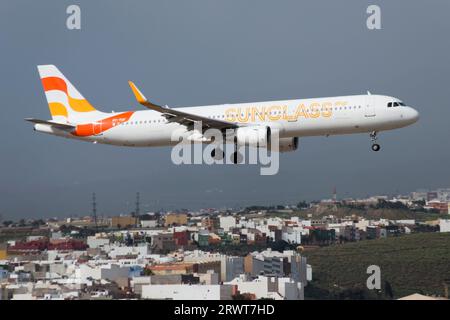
[[368, 93], [137, 212], [94, 211]]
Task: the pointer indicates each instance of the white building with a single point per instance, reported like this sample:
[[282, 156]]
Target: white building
[[292, 235], [110, 272], [231, 267], [149, 223], [405, 222], [362, 224], [94, 242], [270, 287], [23, 296], [227, 222], [444, 225], [141, 251], [208, 278], [187, 292]]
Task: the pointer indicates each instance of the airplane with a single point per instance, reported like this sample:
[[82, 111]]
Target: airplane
[[251, 124]]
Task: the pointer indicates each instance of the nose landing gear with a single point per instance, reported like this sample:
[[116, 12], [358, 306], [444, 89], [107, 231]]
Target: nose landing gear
[[373, 138], [376, 147]]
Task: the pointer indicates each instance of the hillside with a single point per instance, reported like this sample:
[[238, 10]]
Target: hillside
[[372, 213], [411, 263]]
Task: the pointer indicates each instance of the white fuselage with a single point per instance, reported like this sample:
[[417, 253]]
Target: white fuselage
[[292, 118]]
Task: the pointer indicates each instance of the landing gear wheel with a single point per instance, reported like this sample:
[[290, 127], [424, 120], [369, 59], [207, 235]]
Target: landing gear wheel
[[376, 147], [374, 137], [236, 157], [217, 154]]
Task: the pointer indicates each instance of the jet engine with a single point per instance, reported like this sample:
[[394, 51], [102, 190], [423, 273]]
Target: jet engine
[[288, 144], [255, 136]]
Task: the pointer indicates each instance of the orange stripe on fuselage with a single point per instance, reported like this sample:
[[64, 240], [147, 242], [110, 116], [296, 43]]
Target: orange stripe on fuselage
[[90, 129]]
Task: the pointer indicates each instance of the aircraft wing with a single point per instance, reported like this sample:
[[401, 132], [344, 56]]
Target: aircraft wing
[[175, 115], [58, 125]]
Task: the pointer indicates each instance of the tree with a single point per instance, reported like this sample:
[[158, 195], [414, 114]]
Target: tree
[[7, 223], [242, 296], [22, 223], [37, 223], [148, 272], [420, 203], [302, 205]]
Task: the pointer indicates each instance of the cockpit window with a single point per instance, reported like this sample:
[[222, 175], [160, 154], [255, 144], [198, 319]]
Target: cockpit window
[[395, 104]]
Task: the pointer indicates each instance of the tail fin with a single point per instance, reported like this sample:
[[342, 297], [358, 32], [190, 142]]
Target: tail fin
[[65, 102]]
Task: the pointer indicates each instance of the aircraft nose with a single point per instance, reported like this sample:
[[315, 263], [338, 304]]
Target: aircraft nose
[[412, 115]]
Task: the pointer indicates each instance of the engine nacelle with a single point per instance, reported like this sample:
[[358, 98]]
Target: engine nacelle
[[256, 136], [288, 144]]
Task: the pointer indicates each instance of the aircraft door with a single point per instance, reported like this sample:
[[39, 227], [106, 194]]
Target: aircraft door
[[369, 107], [97, 127]]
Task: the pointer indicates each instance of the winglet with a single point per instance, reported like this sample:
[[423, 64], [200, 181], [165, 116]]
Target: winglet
[[142, 99], [137, 93]]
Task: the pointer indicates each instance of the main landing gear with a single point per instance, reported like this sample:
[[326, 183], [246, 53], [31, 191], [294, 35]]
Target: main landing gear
[[373, 138], [217, 153], [236, 156]]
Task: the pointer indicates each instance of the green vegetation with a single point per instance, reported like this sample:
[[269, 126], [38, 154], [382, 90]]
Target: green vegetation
[[386, 211], [369, 213], [417, 263]]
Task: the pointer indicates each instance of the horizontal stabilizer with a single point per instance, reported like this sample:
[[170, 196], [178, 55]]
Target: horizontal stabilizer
[[58, 125]]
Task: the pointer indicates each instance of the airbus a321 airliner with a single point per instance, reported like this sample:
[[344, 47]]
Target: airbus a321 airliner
[[74, 117]]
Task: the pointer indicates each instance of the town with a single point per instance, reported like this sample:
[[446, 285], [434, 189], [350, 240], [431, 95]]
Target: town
[[228, 254]]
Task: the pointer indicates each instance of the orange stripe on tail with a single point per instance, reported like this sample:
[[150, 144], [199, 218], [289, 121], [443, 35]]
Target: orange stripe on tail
[[54, 83]]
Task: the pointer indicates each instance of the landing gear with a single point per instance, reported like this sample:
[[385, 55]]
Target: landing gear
[[217, 154], [376, 147], [373, 138], [236, 157]]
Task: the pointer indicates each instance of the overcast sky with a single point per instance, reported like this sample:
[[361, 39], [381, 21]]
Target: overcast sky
[[200, 52]]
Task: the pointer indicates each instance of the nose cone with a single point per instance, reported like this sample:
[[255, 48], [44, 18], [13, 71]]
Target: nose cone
[[410, 115]]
